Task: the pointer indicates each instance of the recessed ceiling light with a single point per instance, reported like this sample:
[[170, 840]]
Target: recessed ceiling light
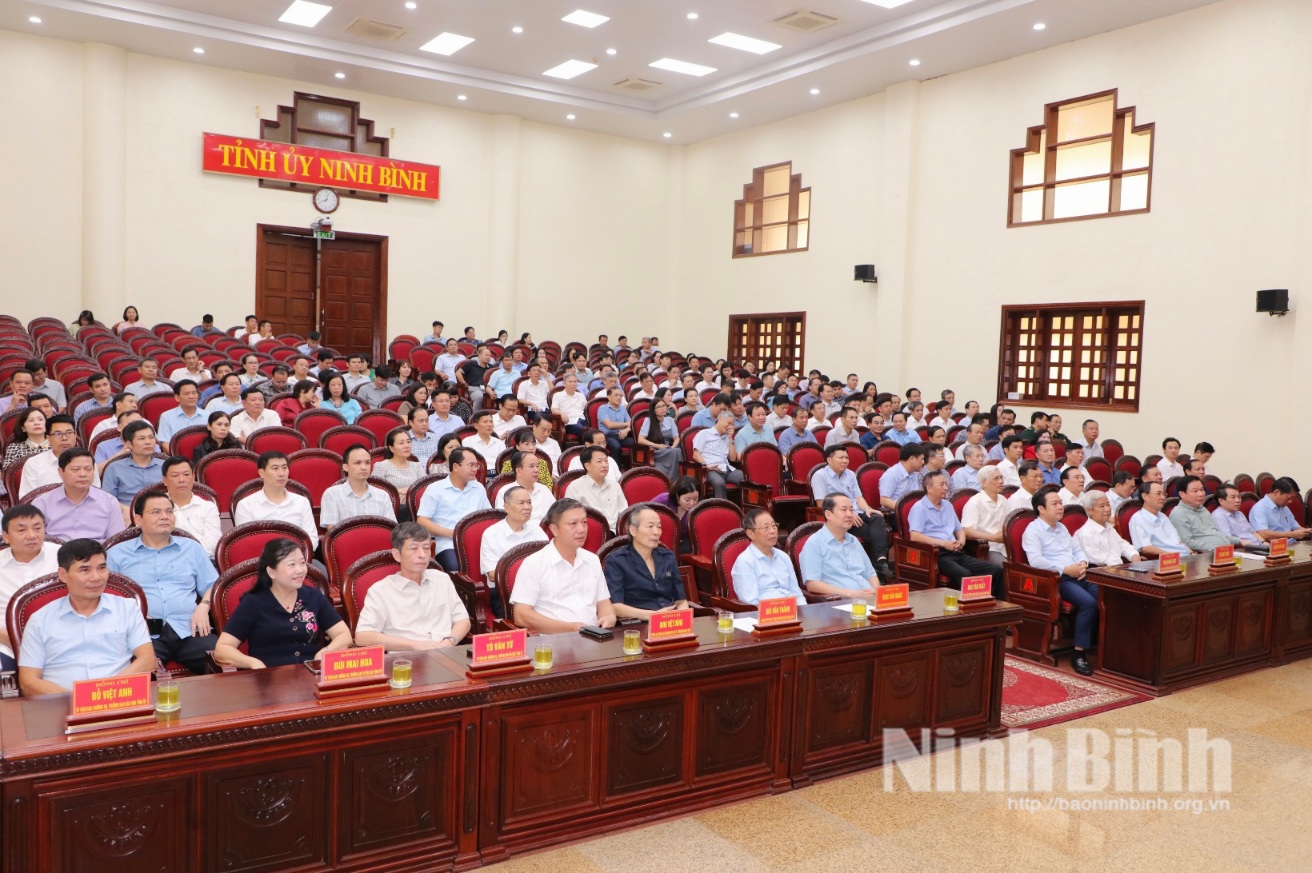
[[692, 16], [304, 13], [815, 91], [744, 43], [34, 19], [585, 19], [516, 29], [198, 50], [446, 43], [461, 97], [681, 67], [569, 69], [610, 51], [412, 5], [733, 114], [667, 134], [888, 4], [569, 117], [339, 75], [915, 62], [1039, 25]]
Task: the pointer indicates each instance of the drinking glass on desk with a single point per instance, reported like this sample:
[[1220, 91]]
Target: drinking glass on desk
[[402, 673], [632, 642], [542, 659], [725, 621], [859, 610], [950, 600], [167, 696]]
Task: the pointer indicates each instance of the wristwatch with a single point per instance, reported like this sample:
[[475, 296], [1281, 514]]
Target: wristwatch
[[452, 639]]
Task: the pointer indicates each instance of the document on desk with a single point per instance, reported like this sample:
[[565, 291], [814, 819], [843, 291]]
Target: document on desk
[[745, 624], [1251, 557]]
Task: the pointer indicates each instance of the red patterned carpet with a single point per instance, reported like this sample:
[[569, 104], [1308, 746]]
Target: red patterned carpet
[[1035, 696]]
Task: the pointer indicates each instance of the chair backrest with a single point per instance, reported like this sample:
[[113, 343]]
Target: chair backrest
[[1245, 482], [685, 440], [360, 577], [567, 479], [598, 529], [708, 521], [339, 439], [1151, 460], [1169, 506], [350, 541], [1074, 518], [245, 541], [379, 422], [856, 456], [417, 489], [763, 464], [276, 439], [1173, 486], [562, 463], [155, 405], [724, 554], [1129, 463], [1013, 531], [87, 423], [959, 500], [184, 442], [1247, 500], [316, 469], [669, 523], [507, 569], [224, 470], [641, 484], [1098, 468], [803, 458], [1112, 450], [610, 546], [1124, 512], [867, 479], [797, 538], [313, 423], [1265, 482], [469, 541], [46, 589], [498, 484], [903, 510]]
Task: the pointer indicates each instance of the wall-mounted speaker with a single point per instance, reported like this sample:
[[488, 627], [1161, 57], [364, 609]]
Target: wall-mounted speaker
[[864, 273], [1274, 301]]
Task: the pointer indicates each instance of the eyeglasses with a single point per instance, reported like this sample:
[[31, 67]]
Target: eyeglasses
[[764, 527]]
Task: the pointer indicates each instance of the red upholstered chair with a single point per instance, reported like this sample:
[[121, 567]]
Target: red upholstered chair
[[764, 485], [1129, 463], [1151, 460], [359, 577], [470, 577], [1112, 450], [498, 484], [856, 456], [1247, 500], [642, 484], [1245, 482], [316, 469], [598, 530], [708, 521], [820, 433], [416, 492], [669, 526], [1124, 512], [350, 541], [338, 439], [1172, 486], [562, 463], [689, 467], [224, 470], [276, 439], [85, 424], [155, 405], [240, 578], [565, 480], [728, 548], [1265, 482], [314, 422], [803, 458], [184, 442], [1098, 468], [505, 573], [379, 422], [1043, 628], [423, 358], [246, 541]]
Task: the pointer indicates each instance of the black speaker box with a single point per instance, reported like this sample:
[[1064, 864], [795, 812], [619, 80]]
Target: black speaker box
[[865, 273], [1274, 300]]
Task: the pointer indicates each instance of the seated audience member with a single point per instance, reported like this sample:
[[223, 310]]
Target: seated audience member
[[281, 619], [1006, 419], [1031, 480], [662, 436], [818, 417], [707, 416], [1151, 531], [1038, 425], [102, 396], [542, 435], [175, 573], [1074, 458], [357, 372], [844, 430], [274, 502], [974, 437], [447, 362], [615, 422], [305, 395], [968, 476], [324, 363], [1147, 476], [217, 439], [1072, 485], [943, 415], [186, 414], [263, 331], [571, 406], [380, 390], [249, 375], [523, 440], [1197, 528], [867, 521], [763, 571], [1088, 440], [312, 343], [277, 384], [41, 403], [48, 388], [683, 495], [414, 396], [833, 561], [713, 449], [195, 515], [439, 466], [985, 513], [1169, 464], [903, 476], [1122, 489], [1230, 519], [147, 383], [755, 430], [1203, 453], [124, 477], [337, 398], [1098, 537], [1046, 456], [518, 527], [1054, 430], [114, 447], [1012, 450], [43, 468], [221, 369], [484, 440], [396, 468], [643, 576], [561, 587], [191, 369], [229, 400], [595, 489], [28, 557], [253, 416], [251, 328], [85, 634], [507, 419], [525, 467], [20, 388], [414, 609], [778, 416], [470, 374], [900, 433], [443, 421], [448, 500], [503, 378], [1049, 546], [29, 438], [354, 496], [423, 442], [205, 328], [533, 392], [1271, 516], [934, 522], [796, 433]]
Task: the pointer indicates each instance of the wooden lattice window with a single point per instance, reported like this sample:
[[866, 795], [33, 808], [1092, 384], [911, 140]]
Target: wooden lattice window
[[775, 336], [1087, 160], [1076, 355], [774, 215], [324, 123]]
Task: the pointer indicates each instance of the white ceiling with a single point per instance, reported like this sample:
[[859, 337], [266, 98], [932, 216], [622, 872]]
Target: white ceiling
[[869, 49]]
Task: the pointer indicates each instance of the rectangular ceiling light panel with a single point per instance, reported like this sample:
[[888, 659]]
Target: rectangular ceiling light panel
[[681, 67], [304, 13], [569, 69], [744, 43], [585, 19], [446, 43]]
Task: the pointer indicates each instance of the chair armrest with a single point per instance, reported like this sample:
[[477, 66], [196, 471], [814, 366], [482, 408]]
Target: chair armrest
[[9, 684], [643, 455], [815, 513], [688, 467], [699, 611], [730, 604], [756, 495], [977, 549], [821, 598], [688, 579], [914, 563], [477, 598], [502, 624], [1035, 591], [213, 666]]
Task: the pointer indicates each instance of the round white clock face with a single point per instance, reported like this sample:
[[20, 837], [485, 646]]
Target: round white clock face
[[325, 200]]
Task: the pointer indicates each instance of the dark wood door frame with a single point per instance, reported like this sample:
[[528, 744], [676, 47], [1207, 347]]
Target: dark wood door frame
[[380, 335]]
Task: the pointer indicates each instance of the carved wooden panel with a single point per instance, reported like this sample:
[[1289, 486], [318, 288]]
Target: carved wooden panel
[[1218, 622], [398, 792], [839, 707], [1179, 638], [644, 745], [121, 828], [902, 691], [963, 683], [733, 726], [548, 759], [266, 817], [1298, 623], [1252, 623]]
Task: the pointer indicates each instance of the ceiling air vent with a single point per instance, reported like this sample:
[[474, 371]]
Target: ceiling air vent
[[638, 86], [806, 21], [370, 29]]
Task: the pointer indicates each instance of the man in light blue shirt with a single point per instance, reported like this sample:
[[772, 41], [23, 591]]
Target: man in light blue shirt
[[899, 434], [186, 414], [833, 561], [175, 573], [1151, 532], [126, 476], [867, 521], [502, 382], [968, 476], [442, 421], [903, 476], [87, 634], [435, 337], [933, 522], [1230, 519], [422, 442], [1049, 546], [1046, 455], [449, 500], [763, 571], [1271, 516], [756, 431], [797, 433], [616, 423], [710, 413]]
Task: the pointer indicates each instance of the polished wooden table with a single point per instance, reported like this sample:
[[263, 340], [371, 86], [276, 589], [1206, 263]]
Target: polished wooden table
[[256, 774], [1158, 637]]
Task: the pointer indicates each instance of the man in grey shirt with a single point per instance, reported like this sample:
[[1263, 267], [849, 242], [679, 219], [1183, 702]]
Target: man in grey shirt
[[1197, 528], [380, 390]]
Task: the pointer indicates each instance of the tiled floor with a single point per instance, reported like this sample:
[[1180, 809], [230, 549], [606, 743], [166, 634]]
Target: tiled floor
[[851, 823]]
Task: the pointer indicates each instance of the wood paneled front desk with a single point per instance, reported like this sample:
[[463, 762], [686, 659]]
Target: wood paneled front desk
[[256, 774], [1158, 637]]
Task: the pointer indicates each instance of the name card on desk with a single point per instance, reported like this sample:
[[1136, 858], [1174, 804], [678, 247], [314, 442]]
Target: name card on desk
[[977, 588], [893, 598], [1168, 563], [777, 610], [672, 625], [1223, 555], [351, 665], [1279, 547], [504, 647], [102, 703]]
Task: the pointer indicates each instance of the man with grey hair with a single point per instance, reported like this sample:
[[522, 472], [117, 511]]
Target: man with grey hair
[[1098, 537], [415, 608], [643, 576], [968, 476], [974, 437], [984, 514], [713, 448], [517, 528]]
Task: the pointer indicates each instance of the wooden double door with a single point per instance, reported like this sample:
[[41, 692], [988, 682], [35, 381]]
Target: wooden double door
[[337, 287]]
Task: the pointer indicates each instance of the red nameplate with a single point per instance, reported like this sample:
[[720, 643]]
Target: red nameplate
[[893, 598], [500, 649], [1279, 547], [1223, 555], [1168, 563], [101, 703], [351, 665], [977, 588], [777, 610], [673, 625]]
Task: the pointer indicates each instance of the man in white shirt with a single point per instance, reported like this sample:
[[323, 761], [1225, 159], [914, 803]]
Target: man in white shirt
[[984, 514], [525, 467], [28, 557], [533, 391], [43, 467], [253, 416], [560, 588], [1009, 466], [195, 515], [357, 372], [485, 442], [1169, 466], [1089, 440], [1049, 546], [779, 417], [415, 609], [1122, 489], [274, 502], [843, 431], [1031, 480], [446, 363], [1072, 485], [1151, 532], [713, 448], [542, 433], [594, 438], [974, 437], [572, 407], [192, 368], [518, 527], [354, 497], [507, 419], [1098, 537], [595, 489], [944, 417]]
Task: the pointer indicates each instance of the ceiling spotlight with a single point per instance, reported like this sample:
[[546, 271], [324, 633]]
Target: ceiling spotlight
[[461, 97], [1040, 26], [610, 51], [667, 134], [733, 114], [198, 50], [692, 16], [569, 117], [34, 19], [815, 91], [516, 29], [915, 62], [339, 75]]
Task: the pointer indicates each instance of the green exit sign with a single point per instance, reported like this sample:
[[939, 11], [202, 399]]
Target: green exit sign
[[324, 234]]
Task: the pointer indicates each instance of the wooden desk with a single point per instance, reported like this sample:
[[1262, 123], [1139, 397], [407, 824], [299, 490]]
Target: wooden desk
[[1159, 637], [255, 774]]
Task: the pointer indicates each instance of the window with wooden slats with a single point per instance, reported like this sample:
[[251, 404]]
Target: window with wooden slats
[[1073, 355], [775, 336], [774, 215]]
